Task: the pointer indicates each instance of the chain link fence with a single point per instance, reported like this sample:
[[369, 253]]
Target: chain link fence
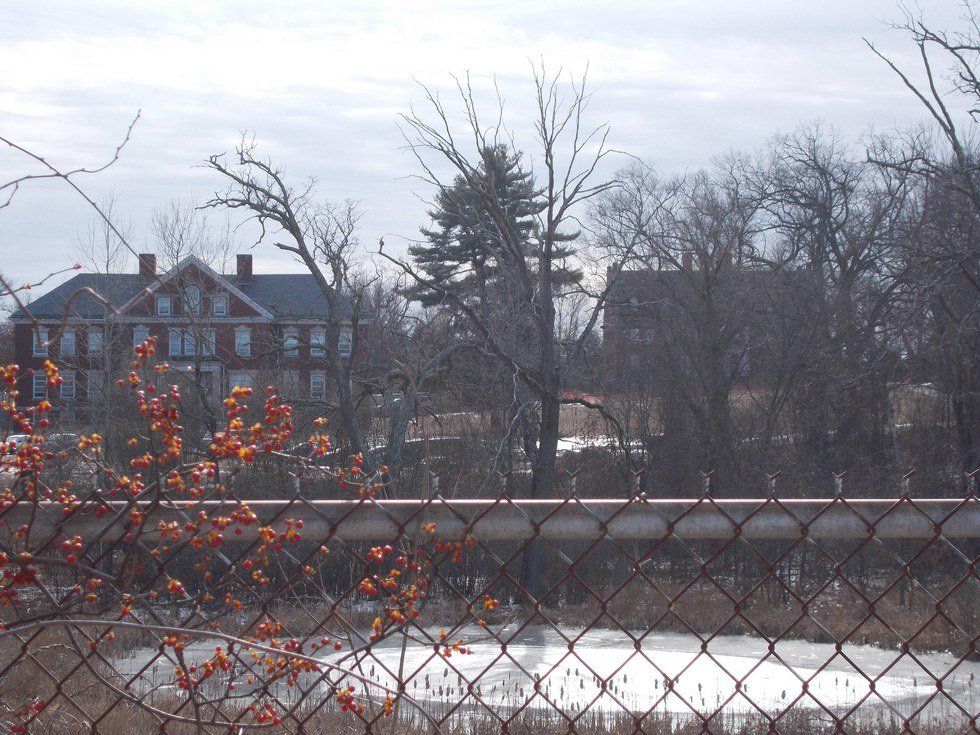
[[494, 615]]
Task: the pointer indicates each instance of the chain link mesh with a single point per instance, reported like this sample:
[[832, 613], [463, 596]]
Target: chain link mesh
[[571, 615]]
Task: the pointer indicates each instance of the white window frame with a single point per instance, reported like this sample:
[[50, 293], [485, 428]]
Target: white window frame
[[190, 343], [318, 385], [39, 341], [39, 386], [192, 299], [68, 384], [219, 298], [345, 343], [240, 378], [318, 342], [96, 340], [243, 341], [290, 336], [67, 347], [140, 330], [161, 300]]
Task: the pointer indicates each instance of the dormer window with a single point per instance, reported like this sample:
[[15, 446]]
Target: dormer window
[[219, 304], [192, 299], [164, 306]]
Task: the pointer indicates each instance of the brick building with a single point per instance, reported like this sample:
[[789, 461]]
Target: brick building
[[678, 321], [222, 329]]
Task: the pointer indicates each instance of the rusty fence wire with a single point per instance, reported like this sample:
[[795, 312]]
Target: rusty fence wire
[[631, 615]]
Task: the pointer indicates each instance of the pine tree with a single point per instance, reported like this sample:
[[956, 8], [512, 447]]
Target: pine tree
[[466, 248]]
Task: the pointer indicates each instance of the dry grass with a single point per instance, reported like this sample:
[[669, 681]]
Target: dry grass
[[835, 617], [125, 719]]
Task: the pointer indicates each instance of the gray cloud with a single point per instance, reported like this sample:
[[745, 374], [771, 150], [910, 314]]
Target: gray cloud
[[320, 84]]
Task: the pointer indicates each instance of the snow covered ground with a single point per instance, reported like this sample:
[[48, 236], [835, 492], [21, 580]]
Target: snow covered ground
[[667, 672]]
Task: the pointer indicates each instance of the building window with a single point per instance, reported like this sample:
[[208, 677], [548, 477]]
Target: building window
[[290, 341], [192, 299], [68, 384], [140, 335], [67, 343], [219, 305], [94, 382], [243, 341], [240, 379], [318, 342], [289, 385], [174, 342], [40, 339], [164, 306], [190, 343], [208, 343], [318, 386], [40, 386], [345, 343], [95, 340]]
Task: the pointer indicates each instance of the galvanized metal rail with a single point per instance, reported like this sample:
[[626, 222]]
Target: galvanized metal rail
[[504, 519]]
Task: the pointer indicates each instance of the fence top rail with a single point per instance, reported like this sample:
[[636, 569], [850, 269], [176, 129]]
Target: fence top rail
[[506, 519]]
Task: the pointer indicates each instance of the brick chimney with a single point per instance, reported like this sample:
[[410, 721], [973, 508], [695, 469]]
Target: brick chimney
[[148, 266], [687, 260], [244, 271]]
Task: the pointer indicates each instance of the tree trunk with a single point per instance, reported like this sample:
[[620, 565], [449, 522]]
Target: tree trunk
[[542, 486]]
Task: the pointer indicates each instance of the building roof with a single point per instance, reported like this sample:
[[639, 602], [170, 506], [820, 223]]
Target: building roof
[[648, 291], [294, 295]]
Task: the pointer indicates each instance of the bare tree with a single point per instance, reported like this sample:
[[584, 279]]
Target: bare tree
[[71, 177], [181, 229], [939, 310], [570, 155], [943, 277], [690, 306], [958, 53], [103, 247], [833, 223], [258, 186], [324, 238]]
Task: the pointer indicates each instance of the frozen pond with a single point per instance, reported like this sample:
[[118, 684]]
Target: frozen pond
[[667, 672]]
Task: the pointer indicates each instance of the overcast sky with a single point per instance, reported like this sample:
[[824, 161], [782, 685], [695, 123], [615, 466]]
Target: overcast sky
[[321, 85]]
